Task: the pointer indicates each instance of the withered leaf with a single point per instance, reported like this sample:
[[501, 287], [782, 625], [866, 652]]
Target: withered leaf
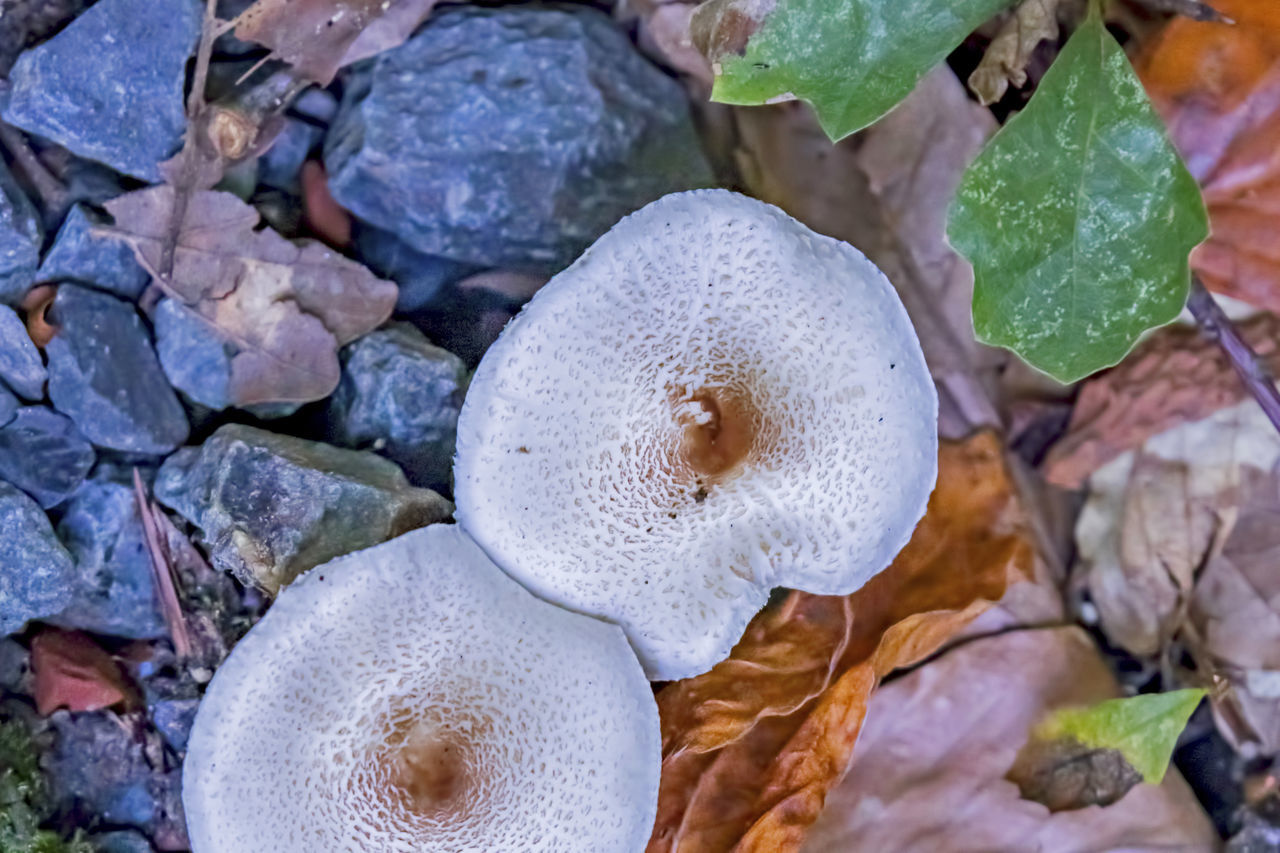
[[1217, 86], [317, 37], [1065, 774], [1007, 56], [72, 671], [286, 308], [751, 748]]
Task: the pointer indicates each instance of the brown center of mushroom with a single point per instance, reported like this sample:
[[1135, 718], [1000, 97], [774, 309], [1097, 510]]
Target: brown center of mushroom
[[430, 770], [720, 428]]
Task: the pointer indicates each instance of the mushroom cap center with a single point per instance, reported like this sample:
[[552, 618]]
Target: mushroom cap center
[[720, 426], [430, 770]]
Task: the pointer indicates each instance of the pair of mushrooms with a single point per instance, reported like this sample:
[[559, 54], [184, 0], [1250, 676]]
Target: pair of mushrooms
[[710, 402]]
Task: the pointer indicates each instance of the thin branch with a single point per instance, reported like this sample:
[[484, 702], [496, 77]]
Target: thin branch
[[162, 569], [51, 190], [1248, 365]]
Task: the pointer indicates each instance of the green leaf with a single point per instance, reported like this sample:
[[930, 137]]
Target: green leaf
[[1143, 728], [1078, 217], [854, 60]]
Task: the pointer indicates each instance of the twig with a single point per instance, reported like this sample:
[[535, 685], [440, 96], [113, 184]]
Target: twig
[[51, 190], [1248, 365], [161, 567]]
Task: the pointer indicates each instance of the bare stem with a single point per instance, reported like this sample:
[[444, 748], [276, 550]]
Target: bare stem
[[1248, 365], [51, 190]]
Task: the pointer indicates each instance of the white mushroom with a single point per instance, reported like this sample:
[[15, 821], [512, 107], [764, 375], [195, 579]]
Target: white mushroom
[[412, 698], [712, 401]]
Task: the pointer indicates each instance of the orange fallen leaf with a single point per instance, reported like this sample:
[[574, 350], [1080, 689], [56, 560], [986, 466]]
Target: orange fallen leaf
[[36, 305], [751, 748], [1218, 87], [72, 671], [1176, 377]]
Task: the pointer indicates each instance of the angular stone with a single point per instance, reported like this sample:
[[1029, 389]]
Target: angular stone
[[123, 841], [15, 667], [35, 570], [78, 255], [110, 85], [271, 506], [511, 136], [280, 165], [98, 764], [20, 239], [196, 361], [104, 375], [20, 365], [9, 405], [114, 592], [42, 453], [421, 277], [400, 395], [174, 718]]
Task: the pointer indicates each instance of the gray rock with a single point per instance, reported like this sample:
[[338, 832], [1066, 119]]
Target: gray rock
[[101, 262], [98, 766], [510, 137], [9, 405], [196, 361], [20, 364], [110, 86], [35, 570], [115, 589], [280, 165], [270, 506], [15, 667], [42, 453], [317, 104], [20, 239], [174, 718], [400, 396], [420, 277], [105, 376], [124, 841]]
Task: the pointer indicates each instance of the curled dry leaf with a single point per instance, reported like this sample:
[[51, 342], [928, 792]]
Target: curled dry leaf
[[1218, 87], [929, 773], [1007, 56], [36, 306], [72, 671], [317, 37], [285, 308], [1175, 377], [751, 748]]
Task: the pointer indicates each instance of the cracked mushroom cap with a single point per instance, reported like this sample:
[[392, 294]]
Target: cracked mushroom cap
[[412, 698], [711, 402]]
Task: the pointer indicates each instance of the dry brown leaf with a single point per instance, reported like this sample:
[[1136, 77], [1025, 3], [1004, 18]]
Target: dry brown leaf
[[72, 671], [286, 308], [36, 306], [928, 775], [317, 37], [1175, 377], [1064, 774], [1007, 56], [1218, 87], [751, 748]]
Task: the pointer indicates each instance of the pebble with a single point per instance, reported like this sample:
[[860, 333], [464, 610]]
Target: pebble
[[400, 395], [9, 405], [109, 86], [102, 262], [20, 239], [420, 277], [510, 137], [35, 570], [42, 453], [20, 365], [104, 375], [123, 841], [271, 506], [195, 359]]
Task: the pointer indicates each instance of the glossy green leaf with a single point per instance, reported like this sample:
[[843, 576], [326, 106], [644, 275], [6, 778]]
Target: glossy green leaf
[[1143, 728], [1078, 217], [854, 60]]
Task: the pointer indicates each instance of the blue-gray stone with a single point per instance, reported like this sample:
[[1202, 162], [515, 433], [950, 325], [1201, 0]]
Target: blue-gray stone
[[20, 239], [35, 570], [123, 841], [79, 255], [9, 405], [420, 277], [317, 104], [15, 667], [400, 396], [510, 136], [174, 718], [97, 765], [104, 375], [20, 365], [195, 359], [110, 86], [281, 164], [114, 592], [42, 453], [271, 506]]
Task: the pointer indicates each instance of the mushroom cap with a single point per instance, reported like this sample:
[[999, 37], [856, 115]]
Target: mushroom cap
[[411, 697], [712, 401]]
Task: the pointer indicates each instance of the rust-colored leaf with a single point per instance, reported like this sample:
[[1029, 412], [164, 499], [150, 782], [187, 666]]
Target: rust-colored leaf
[[322, 212], [1175, 377], [72, 671], [36, 306], [285, 308], [316, 37], [751, 748], [1218, 87]]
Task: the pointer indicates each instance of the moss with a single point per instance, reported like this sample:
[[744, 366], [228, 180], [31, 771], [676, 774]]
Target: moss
[[24, 798]]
